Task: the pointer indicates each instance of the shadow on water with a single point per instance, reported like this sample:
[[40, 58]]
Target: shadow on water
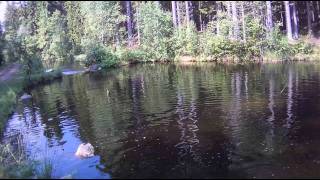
[[177, 121]]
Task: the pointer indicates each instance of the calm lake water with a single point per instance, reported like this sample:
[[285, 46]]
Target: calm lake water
[[177, 121]]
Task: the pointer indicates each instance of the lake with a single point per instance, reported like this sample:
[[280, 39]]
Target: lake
[[177, 121]]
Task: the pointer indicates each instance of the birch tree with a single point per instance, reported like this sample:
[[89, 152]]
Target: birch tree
[[295, 21], [309, 18], [235, 20], [288, 20], [269, 22], [129, 22], [174, 13]]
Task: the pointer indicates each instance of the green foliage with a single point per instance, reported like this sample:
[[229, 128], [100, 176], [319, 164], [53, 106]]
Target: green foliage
[[98, 54], [14, 163], [155, 31], [302, 48], [51, 35], [45, 171], [186, 40], [43, 33], [12, 25], [131, 55], [74, 24], [102, 21], [7, 100], [95, 55], [110, 60], [279, 45]]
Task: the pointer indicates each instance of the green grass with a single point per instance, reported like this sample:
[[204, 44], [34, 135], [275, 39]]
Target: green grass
[[45, 171], [15, 164], [8, 94]]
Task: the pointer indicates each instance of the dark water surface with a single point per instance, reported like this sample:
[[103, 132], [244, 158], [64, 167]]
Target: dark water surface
[[178, 121]]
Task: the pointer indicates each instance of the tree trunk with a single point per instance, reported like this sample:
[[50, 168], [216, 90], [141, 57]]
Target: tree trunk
[[235, 20], [138, 25], [269, 17], [312, 11], [178, 14], [288, 20], [187, 12], [295, 21], [243, 22], [318, 9], [218, 19], [129, 22], [191, 11], [117, 36], [229, 17], [200, 17], [309, 18], [174, 13]]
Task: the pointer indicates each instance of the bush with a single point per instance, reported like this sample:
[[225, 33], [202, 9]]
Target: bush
[[110, 59], [185, 41], [7, 101], [102, 56], [278, 44], [155, 31], [95, 55], [303, 48], [131, 55]]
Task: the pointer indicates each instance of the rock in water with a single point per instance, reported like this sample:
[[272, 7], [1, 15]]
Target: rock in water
[[49, 70], [25, 96], [66, 177], [94, 68], [85, 150]]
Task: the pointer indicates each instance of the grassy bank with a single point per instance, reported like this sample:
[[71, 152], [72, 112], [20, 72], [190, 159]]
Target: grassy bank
[[11, 89], [14, 163]]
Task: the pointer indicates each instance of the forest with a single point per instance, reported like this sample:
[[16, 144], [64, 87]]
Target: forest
[[111, 33], [235, 81]]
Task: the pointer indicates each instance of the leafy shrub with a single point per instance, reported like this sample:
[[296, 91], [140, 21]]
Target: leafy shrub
[[104, 57], [185, 40], [95, 55], [155, 31], [131, 55], [110, 59], [278, 44], [303, 48]]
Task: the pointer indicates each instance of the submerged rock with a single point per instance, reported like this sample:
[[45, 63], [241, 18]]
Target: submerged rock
[[49, 70], [66, 177], [93, 68], [72, 72], [25, 96], [85, 150]]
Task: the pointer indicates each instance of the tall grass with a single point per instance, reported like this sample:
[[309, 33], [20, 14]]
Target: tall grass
[[8, 94], [15, 164]]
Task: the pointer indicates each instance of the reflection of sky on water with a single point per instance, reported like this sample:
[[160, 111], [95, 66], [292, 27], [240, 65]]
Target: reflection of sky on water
[[59, 151]]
